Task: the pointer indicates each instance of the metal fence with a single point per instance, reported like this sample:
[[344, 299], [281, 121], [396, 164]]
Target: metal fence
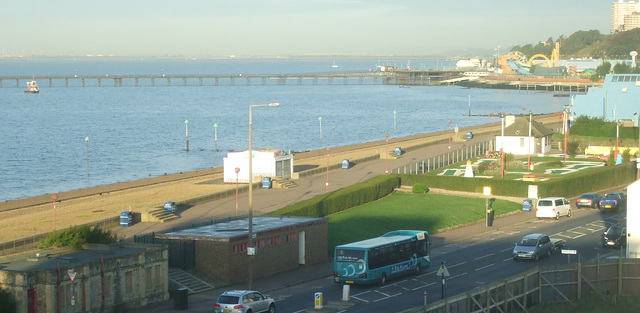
[[445, 159], [568, 283]]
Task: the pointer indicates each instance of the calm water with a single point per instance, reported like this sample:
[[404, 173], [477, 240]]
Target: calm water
[[140, 132]]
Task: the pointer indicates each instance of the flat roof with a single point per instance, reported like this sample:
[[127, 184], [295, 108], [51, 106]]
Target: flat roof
[[48, 259], [240, 227]]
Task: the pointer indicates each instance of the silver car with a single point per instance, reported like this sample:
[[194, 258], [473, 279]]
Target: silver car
[[244, 301]]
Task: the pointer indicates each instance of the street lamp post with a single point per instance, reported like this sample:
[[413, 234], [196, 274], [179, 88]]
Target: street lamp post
[[320, 120], [529, 143], [492, 138], [386, 154], [449, 135], [394, 122], [186, 127], [87, 141], [55, 197], [327, 184], [215, 135], [469, 105], [250, 240], [237, 171]]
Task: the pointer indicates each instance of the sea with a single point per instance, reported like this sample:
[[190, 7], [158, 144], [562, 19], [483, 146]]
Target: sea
[[73, 137]]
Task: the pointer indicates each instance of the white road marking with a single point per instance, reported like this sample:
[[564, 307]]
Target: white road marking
[[484, 256], [481, 268]]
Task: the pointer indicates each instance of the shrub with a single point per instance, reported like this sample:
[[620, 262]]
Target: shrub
[[626, 155], [572, 147], [420, 188], [75, 237], [611, 160]]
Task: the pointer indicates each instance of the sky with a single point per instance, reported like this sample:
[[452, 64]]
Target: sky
[[288, 27]]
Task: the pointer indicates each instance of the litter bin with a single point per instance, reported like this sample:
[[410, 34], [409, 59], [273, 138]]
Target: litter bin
[[526, 205], [170, 206], [266, 182], [181, 299], [490, 215], [345, 164], [398, 150], [125, 218]]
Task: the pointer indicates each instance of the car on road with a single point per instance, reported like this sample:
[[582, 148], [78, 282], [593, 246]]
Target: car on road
[[533, 246], [553, 207], [613, 202], [590, 200], [244, 301], [615, 236]]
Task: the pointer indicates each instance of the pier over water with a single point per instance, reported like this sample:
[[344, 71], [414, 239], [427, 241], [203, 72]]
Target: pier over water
[[424, 77]]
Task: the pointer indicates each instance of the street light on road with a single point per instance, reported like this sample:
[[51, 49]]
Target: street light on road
[[250, 240], [449, 135], [327, 170]]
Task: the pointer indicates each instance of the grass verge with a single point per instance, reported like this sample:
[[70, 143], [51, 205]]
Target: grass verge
[[430, 212]]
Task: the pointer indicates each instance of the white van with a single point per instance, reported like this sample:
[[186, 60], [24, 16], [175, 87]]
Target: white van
[[553, 207]]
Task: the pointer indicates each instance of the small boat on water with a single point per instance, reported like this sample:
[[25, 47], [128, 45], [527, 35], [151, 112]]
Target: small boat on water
[[32, 87], [334, 64]]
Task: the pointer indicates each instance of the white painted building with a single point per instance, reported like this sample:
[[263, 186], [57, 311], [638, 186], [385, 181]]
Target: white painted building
[[633, 220], [271, 163], [524, 137]]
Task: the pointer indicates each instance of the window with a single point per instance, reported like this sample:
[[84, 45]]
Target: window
[[239, 248], [157, 280], [521, 142], [149, 280], [128, 278], [66, 295]]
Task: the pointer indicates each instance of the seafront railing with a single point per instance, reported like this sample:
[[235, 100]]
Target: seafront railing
[[445, 159]]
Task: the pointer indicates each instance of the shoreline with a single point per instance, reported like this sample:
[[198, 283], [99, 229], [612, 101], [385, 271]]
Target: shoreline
[[31, 216]]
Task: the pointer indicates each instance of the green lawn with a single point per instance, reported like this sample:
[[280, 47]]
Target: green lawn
[[430, 212]]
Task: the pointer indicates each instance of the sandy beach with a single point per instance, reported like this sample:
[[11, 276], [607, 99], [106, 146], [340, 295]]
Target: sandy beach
[[32, 216]]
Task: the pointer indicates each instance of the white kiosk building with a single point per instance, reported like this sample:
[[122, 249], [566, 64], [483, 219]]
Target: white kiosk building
[[265, 163]]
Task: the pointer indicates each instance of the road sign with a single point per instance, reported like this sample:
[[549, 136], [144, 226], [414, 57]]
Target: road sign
[[72, 274], [569, 251], [443, 272], [533, 192]]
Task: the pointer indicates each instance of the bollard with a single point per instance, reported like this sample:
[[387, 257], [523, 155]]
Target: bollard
[[346, 292], [318, 300]]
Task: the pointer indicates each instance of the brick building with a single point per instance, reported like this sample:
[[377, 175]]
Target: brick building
[[282, 243], [100, 278]]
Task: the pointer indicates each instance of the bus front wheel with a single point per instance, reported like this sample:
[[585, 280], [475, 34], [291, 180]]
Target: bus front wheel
[[383, 279], [418, 269]]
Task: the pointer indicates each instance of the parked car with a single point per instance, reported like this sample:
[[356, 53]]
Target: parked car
[[613, 202], [553, 207], [533, 246], [244, 301], [615, 236], [590, 200]]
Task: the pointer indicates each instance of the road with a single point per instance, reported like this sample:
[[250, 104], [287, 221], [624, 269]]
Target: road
[[483, 259]]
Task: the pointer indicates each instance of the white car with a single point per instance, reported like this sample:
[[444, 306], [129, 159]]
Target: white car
[[553, 207], [244, 301]]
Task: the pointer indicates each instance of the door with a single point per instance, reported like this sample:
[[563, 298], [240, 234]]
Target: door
[[32, 301], [301, 248]]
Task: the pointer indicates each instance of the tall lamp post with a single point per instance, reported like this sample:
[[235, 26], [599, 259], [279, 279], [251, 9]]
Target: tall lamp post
[[250, 250], [87, 141], [320, 120], [237, 171], [327, 184], [529, 143], [449, 135], [386, 154], [215, 135], [186, 129], [55, 197]]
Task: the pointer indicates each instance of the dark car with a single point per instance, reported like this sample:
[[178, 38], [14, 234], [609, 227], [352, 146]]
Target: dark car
[[613, 202], [590, 200], [615, 236]]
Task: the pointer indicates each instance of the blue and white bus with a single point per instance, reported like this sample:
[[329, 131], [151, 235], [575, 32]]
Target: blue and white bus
[[377, 259]]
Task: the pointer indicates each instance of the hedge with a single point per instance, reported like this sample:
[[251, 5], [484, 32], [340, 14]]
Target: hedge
[[342, 199]]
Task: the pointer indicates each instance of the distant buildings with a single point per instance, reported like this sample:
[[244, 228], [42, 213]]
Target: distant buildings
[[625, 16]]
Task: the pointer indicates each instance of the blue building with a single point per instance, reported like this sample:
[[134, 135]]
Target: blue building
[[617, 100]]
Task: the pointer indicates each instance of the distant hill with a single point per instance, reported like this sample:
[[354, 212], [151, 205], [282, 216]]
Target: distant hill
[[588, 44]]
